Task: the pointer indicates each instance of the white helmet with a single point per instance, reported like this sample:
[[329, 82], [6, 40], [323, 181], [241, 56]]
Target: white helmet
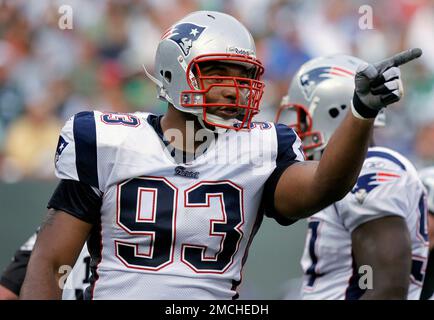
[[318, 99], [427, 177], [200, 37]]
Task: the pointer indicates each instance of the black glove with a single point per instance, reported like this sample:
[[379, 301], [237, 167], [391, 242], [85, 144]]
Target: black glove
[[379, 84]]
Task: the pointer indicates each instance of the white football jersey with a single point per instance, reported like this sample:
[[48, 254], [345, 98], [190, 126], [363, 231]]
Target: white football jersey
[[387, 185], [77, 278], [171, 230]]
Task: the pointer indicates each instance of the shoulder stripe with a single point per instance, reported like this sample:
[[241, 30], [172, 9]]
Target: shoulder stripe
[[288, 145], [85, 148], [387, 156]]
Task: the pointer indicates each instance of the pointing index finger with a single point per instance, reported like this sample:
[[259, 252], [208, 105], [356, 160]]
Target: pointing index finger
[[406, 56], [399, 59]]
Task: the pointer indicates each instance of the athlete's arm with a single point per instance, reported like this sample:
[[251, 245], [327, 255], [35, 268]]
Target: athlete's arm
[[59, 243], [305, 188], [384, 245]]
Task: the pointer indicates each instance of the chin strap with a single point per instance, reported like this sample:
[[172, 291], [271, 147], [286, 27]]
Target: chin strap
[[161, 91]]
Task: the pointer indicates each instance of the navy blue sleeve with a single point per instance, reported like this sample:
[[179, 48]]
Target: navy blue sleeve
[[13, 276], [86, 148], [77, 199], [288, 153]]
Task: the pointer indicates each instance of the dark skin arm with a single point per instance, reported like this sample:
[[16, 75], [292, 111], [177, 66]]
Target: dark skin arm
[[385, 245], [59, 243], [307, 187]]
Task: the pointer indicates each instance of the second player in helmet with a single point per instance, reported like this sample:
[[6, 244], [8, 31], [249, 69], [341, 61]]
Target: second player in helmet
[[379, 229], [427, 176]]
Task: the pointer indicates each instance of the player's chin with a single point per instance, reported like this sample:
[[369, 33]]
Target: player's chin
[[226, 113]]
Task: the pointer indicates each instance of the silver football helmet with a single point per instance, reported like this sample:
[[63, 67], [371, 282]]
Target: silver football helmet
[[427, 177], [318, 99], [203, 37]]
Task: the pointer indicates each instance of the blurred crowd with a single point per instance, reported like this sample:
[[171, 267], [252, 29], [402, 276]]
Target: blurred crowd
[[48, 73]]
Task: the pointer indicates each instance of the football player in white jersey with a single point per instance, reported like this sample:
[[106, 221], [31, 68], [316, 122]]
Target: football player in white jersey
[[167, 215], [75, 280], [427, 177], [12, 277], [373, 243]]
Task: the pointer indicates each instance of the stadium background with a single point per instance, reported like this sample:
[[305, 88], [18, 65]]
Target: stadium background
[[47, 74]]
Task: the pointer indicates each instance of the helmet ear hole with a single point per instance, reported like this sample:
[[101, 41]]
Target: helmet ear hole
[[333, 112], [343, 106], [168, 76]]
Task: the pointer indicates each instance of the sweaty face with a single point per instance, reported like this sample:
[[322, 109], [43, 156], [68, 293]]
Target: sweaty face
[[226, 87]]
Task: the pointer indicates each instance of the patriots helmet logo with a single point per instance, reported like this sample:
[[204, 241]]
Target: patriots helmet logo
[[369, 182], [310, 80], [61, 145], [184, 35]]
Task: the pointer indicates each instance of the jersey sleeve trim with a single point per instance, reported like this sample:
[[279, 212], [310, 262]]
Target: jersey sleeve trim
[[77, 199], [368, 218], [288, 152], [86, 148], [268, 197], [288, 146]]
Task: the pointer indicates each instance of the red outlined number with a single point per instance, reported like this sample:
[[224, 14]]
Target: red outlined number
[[418, 268], [228, 228], [312, 272], [123, 119], [155, 229], [146, 209]]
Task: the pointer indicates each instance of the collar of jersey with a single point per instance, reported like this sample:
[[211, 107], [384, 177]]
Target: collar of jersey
[[155, 122]]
